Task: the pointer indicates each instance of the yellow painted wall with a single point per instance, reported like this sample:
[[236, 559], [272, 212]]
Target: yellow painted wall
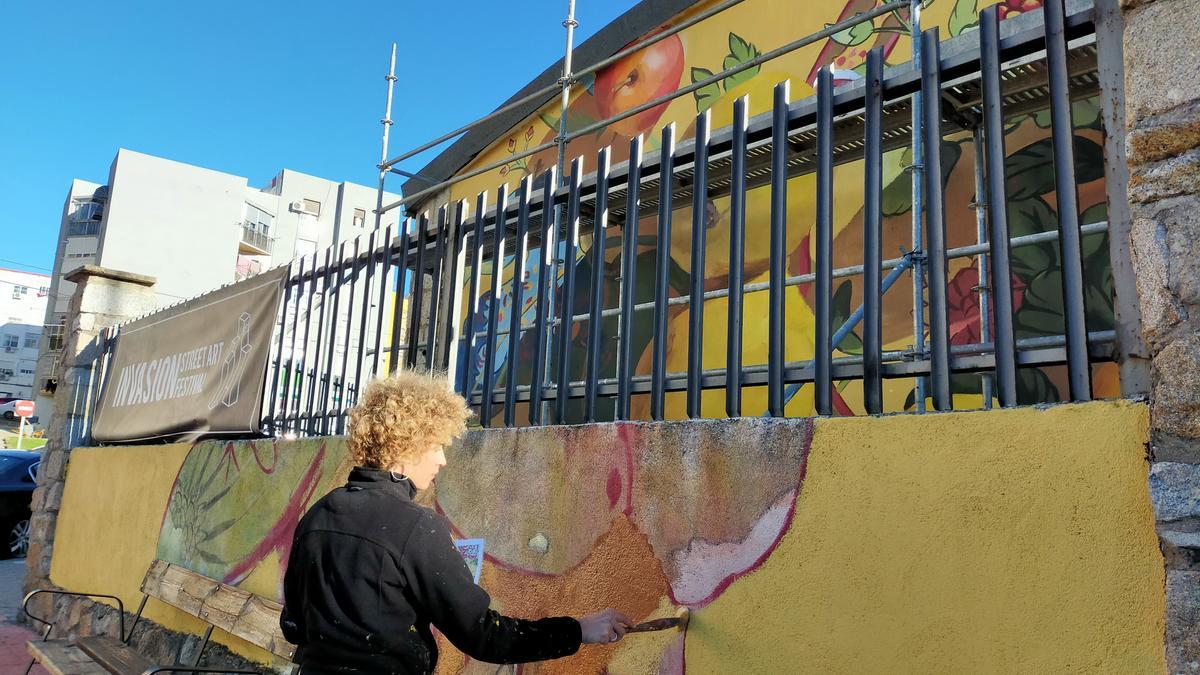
[[1004, 541], [1018, 541], [107, 532]]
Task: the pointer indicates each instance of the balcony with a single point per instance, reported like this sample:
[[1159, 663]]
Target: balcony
[[255, 241]]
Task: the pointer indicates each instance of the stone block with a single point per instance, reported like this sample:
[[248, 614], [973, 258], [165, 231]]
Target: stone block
[[1175, 491], [1167, 135], [53, 464], [1161, 60], [1183, 622], [1176, 409], [1165, 255], [1170, 177], [1181, 550]]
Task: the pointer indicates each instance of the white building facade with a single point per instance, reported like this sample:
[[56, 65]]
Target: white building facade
[[193, 230], [23, 300]]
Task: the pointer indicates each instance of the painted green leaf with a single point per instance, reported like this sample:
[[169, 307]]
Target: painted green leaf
[[839, 312], [1033, 387], [960, 383], [1030, 170], [1031, 216], [740, 77], [1041, 308], [897, 195], [1085, 114], [963, 16], [854, 35], [705, 96], [740, 49]]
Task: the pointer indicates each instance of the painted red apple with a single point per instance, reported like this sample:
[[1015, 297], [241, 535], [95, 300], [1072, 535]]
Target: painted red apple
[[636, 79]]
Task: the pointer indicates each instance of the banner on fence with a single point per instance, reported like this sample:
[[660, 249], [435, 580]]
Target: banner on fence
[[194, 369]]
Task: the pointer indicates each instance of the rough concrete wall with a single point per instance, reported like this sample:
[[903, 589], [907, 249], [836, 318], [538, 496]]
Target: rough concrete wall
[[1019, 540], [1163, 120]]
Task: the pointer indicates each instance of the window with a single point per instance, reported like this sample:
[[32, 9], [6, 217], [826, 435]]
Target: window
[[360, 217], [80, 255], [31, 340], [258, 220], [11, 341], [43, 291], [19, 291], [54, 337], [27, 370], [312, 206]]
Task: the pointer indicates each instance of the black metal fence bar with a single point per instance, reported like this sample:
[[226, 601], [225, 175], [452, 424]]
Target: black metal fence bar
[[596, 304], [279, 367], [489, 345], [823, 292], [570, 253], [433, 342], [467, 367], [458, 257], [416, 303], [776, 332], [325, 408], [398, 299], [1067, 194], [315, 375], [699, 243], [385, 278], [737, 262], [360, 360], [662, 272], [541, 342], [629, 247], [518, 300], [342, 394], [935, 220], [872, 238], [997, 206]]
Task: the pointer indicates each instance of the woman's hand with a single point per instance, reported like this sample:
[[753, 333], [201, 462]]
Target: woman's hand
[[604, 627]]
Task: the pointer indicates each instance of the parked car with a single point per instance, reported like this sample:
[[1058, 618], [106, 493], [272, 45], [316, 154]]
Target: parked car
[[8, 408], [17, 471]]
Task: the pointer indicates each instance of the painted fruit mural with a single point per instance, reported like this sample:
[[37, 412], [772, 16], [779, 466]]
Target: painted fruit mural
[[740, 36]]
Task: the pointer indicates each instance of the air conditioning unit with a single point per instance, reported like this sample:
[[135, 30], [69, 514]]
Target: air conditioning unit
[[298, 207]]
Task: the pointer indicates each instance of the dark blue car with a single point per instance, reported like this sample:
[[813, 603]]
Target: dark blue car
[[17, 471]]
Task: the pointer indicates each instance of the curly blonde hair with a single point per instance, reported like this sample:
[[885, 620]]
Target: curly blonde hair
[[401, 417]]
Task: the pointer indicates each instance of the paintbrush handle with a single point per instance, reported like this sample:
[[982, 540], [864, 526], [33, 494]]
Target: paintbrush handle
[[656, 624]]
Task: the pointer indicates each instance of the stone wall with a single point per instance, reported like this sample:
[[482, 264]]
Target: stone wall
[[1163, 150]]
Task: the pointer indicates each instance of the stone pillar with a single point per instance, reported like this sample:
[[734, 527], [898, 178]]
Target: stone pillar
[[102, 298], [1163, 152]]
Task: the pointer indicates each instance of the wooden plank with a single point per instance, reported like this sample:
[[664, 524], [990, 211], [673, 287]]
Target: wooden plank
[[233, 610], [114, 655], [258, 624], [60, 657]]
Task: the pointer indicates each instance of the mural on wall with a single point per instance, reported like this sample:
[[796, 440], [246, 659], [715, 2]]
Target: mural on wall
[[740, 35], [235, 505], [648, 519]]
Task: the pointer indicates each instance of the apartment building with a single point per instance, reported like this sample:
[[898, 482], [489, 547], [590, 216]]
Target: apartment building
[[23, 299], [193, 229]]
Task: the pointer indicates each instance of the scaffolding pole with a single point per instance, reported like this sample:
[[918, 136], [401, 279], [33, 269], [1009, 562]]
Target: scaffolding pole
[[386, 122], [917, 171]]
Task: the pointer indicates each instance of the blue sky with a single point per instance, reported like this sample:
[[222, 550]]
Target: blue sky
[[247, 88]]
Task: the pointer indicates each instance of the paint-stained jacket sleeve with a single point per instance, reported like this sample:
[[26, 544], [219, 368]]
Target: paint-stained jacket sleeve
[[441, 583]]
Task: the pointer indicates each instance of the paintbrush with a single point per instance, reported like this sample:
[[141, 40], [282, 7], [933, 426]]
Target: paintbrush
[[680, 621]]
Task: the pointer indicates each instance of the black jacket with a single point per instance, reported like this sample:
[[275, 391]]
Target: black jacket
[[370, 571]]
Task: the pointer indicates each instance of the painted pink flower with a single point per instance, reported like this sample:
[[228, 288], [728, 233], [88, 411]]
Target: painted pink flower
[[1014, 7], [504, 170], [512, 144], [962, 300], [529, 133]]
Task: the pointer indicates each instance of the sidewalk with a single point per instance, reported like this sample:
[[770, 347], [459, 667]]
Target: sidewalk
[[13, 655]]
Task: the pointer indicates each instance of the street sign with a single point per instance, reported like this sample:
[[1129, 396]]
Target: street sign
[[24, 408]]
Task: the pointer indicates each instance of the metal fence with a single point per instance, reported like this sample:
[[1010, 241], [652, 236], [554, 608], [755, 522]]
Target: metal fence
[[407, 298], [554, 374]]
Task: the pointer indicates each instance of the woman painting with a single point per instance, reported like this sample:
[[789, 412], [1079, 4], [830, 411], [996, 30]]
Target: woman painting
[[371, 572]]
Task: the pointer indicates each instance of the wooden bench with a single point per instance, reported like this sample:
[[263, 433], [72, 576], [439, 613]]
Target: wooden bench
[[233, 610]]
